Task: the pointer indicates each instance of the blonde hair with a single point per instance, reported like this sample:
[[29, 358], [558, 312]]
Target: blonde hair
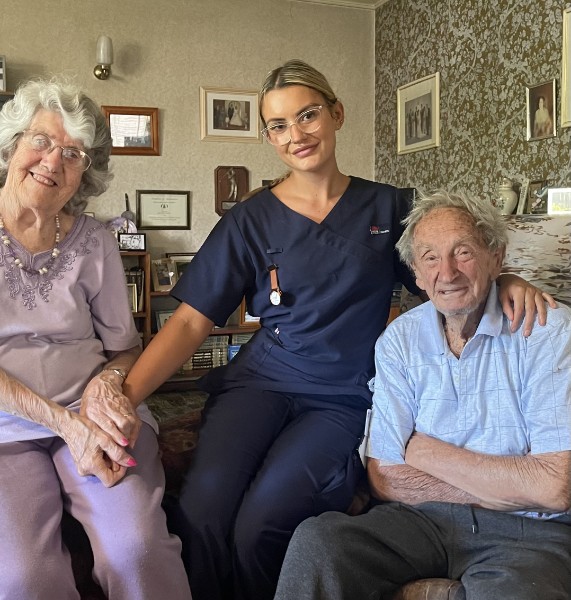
[[296, 72]]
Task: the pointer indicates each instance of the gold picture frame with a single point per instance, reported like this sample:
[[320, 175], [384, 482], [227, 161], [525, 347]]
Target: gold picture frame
[[418, 114], [541, 110], [134, 129], [228, 115], [566, 70]]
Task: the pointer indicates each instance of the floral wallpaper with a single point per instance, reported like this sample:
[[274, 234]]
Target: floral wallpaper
[[486, 51]]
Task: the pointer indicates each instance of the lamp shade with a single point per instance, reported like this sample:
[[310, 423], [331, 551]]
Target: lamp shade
[[104, 50]]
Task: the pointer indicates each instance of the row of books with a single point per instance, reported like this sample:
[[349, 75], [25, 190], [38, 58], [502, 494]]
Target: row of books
[[217, 350], [136, 275]]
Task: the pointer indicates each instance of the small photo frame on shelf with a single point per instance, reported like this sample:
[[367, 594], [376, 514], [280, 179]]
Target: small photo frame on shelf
[[163, 209], [132, 241], [162, 316], [418, 114], [2, 74], [246, 319], [163, 274], [541, 110], [559, 201], [536, 198], [134, 129], [181, 261], [133, 297], [229, 115]]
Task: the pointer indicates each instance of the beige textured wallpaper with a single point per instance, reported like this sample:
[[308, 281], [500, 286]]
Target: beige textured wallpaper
[[164, 52], [486, 51]]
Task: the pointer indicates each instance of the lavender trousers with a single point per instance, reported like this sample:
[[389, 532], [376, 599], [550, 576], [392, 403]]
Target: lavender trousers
[[135, 557]]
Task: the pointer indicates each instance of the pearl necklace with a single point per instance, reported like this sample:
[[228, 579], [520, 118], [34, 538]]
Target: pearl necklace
[[5, 239]]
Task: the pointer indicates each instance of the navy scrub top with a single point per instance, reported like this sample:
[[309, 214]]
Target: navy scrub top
[[336, 279]]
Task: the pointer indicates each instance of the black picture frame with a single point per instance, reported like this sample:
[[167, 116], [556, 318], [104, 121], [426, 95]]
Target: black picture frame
[[132, 242]]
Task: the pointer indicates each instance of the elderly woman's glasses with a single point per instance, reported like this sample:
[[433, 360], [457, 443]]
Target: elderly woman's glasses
[[73, 158], [309, 121]]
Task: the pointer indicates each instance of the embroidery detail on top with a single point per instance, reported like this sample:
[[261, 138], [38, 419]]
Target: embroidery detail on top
[[29, 285]]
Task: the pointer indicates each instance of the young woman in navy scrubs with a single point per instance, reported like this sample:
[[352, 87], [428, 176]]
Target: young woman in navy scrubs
[[315, 258]]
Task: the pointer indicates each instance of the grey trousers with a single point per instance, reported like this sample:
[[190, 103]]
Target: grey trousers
[[497, 556]]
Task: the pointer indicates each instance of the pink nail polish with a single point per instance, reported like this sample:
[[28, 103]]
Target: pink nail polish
[[124, 442], [132, 462]]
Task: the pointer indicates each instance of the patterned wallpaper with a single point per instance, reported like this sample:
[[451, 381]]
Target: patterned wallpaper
[[486, 52]]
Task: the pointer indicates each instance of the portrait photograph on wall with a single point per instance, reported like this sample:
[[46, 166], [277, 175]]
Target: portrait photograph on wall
[[418, 114], [541, 111], [229, 115]]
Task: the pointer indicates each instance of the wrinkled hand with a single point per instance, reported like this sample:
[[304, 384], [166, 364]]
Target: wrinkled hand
[[519, 297], [95, 453], [104, 403]]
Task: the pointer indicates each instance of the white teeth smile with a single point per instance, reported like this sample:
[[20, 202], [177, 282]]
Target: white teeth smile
[[42, 179]]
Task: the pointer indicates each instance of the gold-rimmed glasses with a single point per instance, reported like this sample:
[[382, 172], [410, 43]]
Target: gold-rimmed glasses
[[309, 121], [70, 156]]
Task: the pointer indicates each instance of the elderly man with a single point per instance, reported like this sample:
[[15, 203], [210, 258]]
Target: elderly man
[[470, 442]]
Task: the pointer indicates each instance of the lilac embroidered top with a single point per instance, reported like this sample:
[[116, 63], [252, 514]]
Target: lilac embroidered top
[[55, 328]]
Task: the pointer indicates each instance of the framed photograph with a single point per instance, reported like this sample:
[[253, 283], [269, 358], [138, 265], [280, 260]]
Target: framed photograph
[[132, 241], [132, 288], [163, 209], [536, 198], [230, 185], [2, 74], [229, 115], [180, 261], [4, 97], [162, 317], [566, 70], [559, 201], [418, 115], [541, 114], [246, 319], [135, 130], [163, 274]]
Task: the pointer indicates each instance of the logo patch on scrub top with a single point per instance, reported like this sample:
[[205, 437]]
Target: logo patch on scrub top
[[378, 230]]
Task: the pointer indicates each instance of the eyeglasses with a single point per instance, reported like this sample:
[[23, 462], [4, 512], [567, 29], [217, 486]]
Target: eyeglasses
[[309, 121], [74, 158]]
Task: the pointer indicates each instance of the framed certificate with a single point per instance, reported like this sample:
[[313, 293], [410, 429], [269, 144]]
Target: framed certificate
[[163, 209]]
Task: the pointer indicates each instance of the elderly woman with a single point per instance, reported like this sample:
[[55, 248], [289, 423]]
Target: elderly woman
[[67, 341]]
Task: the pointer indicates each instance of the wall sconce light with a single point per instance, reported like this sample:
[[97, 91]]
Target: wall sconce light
[[104, 57]]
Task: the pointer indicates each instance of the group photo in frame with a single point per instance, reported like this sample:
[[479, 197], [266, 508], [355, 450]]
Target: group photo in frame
[[181, 260], [541, 110], [566, 70], [418, 114], [229, 115], [163, 209], [163, 274], [129, 242], [134, 129]]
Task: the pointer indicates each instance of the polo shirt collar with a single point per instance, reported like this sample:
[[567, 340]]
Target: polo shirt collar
[[431, 338]]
